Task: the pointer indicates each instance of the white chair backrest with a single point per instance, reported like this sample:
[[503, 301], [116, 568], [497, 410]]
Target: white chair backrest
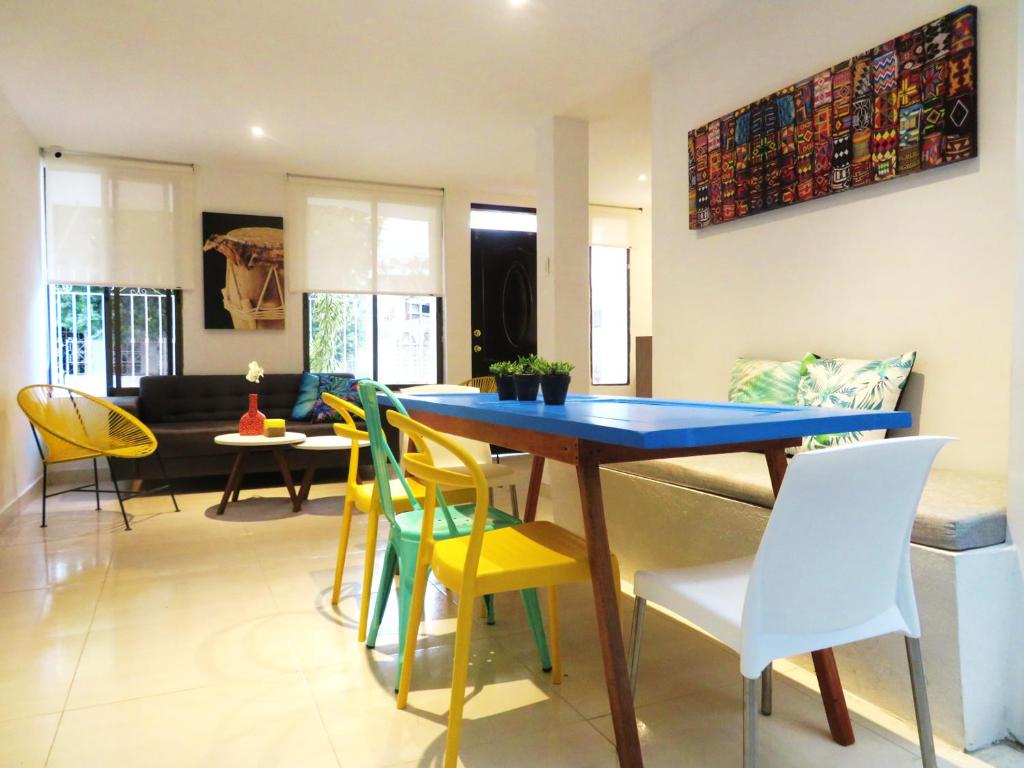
[[834, 561], [444, 458]]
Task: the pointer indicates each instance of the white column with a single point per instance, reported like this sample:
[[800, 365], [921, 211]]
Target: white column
[[563, 245]]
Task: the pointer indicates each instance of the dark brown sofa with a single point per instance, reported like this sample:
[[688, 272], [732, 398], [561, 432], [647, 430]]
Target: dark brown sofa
[[187, 412]]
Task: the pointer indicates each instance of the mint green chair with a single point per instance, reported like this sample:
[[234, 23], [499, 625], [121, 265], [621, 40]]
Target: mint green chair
[[404, 535]]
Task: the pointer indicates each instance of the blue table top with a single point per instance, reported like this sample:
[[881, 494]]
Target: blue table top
[[645, 423]]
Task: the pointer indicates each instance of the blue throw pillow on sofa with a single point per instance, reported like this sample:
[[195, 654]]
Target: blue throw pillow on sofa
[[309, 405]]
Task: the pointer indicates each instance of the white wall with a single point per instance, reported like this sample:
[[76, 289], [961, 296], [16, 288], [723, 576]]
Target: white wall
[[22, 311], [924, 263]]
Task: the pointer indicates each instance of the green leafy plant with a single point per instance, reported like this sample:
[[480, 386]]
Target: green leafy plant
[[558, 367], [530, 365], [503, 368]]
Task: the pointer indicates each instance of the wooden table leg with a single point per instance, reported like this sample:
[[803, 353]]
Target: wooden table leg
[[533, 494], [230, 486], [307, 479], [609, 628], [243, 457], [832, 696], [286, 475]]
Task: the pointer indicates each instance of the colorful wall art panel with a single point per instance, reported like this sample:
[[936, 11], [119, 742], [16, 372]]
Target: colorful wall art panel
[[905, 106]]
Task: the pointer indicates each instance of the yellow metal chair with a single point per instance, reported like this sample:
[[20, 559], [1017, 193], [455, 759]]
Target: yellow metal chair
[[527, 556], [69, 425]]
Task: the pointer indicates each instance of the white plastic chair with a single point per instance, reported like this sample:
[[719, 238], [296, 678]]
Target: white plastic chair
[[497, 475], [833, 568]]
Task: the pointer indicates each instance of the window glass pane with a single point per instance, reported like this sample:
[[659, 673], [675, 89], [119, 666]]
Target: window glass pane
[[407, 351], [145, 334], [77, 346], [508, 221], [341, 333], [609, 306]]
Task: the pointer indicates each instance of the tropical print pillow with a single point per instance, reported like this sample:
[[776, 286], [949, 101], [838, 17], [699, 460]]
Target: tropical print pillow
[[866, 384], [767, 381], [309, 404]]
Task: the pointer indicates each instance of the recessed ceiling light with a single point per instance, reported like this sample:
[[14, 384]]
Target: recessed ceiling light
[[257, 132], [517, 3], [642, 177]]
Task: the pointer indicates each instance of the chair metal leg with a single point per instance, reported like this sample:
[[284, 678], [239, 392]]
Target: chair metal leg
[[924, 718], [490, 497], [96, 482], [117, 490], [639, 611], [167, 480], [749, 723], [515, 499], [43, 524], [766, 691]]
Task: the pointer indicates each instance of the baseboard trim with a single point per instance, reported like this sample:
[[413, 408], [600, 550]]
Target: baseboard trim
[[18, 504]]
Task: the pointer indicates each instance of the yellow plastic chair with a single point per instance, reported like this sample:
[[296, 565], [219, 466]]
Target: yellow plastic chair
[[362, 496], [69, 425], [527, 556]]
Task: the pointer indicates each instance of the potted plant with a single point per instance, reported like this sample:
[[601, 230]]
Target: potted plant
[[527, 376], [503, 376], [554, 381], [252, 420]]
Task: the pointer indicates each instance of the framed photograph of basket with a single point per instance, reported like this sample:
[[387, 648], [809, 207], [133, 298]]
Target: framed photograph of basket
[[907, 105], [243, 271]]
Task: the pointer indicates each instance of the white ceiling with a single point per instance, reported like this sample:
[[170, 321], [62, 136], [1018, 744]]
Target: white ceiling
[[435, 92]]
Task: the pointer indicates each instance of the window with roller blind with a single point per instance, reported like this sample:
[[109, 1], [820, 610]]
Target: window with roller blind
[[119, 241], [368, 259], [609, 298]]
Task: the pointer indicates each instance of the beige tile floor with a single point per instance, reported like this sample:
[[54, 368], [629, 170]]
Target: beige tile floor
[[202, 641]]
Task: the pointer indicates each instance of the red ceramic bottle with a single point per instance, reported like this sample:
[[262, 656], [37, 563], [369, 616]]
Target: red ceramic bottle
[[252, 420]]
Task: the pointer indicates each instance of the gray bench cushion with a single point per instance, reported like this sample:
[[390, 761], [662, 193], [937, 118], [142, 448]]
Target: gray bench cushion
[[958, 510]]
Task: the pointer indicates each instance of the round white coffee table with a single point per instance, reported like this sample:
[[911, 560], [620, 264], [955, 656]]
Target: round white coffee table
[[319, 444], [247, 443]]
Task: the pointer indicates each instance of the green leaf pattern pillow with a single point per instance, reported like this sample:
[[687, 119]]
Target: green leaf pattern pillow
[[865, 384], [767, 381]]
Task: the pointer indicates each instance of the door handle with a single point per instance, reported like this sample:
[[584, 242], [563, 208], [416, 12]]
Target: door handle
[[477, 348]]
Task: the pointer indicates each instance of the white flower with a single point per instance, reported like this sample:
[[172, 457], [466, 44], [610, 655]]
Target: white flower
[[255, 373]]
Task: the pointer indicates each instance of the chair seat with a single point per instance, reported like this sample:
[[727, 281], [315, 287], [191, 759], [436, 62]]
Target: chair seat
[[362, 494], [516, 557], [710, 596], [458, 522]]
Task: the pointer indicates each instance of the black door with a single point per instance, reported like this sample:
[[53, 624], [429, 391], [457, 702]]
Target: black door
[[504, 285]]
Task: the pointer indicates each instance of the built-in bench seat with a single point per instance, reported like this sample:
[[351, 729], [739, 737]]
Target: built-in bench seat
[[958, 511]]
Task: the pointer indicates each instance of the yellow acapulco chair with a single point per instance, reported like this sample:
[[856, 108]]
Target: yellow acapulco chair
[[515, 558], [69, 425]]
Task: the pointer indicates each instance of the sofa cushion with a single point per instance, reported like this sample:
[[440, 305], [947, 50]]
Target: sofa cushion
[[958, 510], [767, 381], [222, 397], [874, 385]]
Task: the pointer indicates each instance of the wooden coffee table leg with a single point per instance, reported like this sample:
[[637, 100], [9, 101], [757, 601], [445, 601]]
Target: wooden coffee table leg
[[307, 479], [606, 603], [831, 687], [243, 457], [286, 475], [533, 494], [230, 486]]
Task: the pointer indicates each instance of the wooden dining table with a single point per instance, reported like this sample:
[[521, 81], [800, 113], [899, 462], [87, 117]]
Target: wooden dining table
[[589, 430]]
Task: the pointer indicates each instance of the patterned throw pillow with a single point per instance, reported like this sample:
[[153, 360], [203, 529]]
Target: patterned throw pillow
[[309, 404], [767, 381], [867, 384]]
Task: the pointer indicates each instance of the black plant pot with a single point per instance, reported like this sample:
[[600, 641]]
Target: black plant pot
[[506, 387], [527, 385], [556, 387]]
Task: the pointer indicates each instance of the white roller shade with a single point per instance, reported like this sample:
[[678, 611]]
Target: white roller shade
[[611, 227], [348, 238], [111, 222]]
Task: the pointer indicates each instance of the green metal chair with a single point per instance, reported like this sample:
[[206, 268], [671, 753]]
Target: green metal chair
[[404, 535]]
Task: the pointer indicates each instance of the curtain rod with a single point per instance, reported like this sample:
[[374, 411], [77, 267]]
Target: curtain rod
[[617, 207], [53, 152], [363, 182]]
